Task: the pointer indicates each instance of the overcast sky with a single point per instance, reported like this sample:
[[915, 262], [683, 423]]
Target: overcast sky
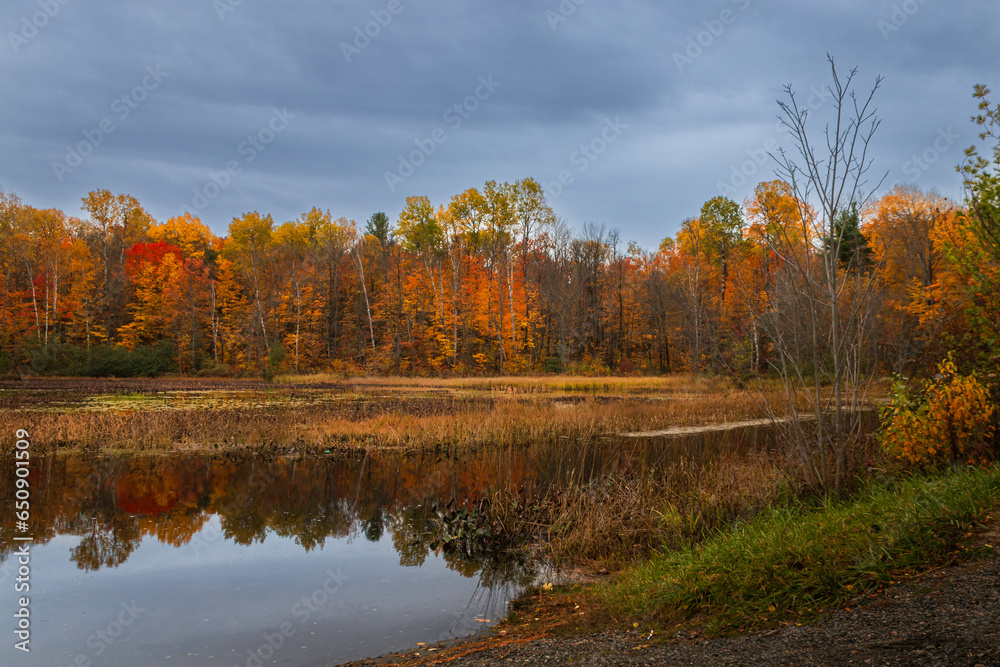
[[155, 98]]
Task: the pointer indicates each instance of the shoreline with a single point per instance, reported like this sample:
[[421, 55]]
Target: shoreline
[[915, 624], [571, 624]]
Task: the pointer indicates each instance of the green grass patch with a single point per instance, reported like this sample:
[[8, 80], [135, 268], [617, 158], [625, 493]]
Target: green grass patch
[[791, 563]]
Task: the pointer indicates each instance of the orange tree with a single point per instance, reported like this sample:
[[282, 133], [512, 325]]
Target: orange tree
[[949, 419]]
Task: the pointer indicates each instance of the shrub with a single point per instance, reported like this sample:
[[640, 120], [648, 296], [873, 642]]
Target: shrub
[[275, 355], [949, 418], [589, 367], [101, 361], [552, 365], [219, 370], [121, 362]]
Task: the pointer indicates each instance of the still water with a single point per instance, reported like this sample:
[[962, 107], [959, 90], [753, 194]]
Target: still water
[[260, 560]]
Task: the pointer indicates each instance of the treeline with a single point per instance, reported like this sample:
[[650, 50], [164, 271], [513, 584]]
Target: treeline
[[487, 283]]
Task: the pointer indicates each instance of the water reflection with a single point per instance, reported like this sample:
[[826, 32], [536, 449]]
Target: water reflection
[[222, 547], [113, 503]]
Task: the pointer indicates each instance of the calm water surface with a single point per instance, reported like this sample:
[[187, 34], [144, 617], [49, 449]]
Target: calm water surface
[[250, 560]]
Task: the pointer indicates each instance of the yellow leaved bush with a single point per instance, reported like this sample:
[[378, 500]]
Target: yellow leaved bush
[[950, 419]]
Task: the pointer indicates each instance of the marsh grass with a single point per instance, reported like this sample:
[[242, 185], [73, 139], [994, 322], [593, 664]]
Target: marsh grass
[[470, 420], [528, 384], [793, 560], [616, 518], [608, 501]]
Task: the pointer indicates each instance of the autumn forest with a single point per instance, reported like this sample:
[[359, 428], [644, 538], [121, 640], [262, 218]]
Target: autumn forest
[[490, 282], [798, 276], [424, 333]]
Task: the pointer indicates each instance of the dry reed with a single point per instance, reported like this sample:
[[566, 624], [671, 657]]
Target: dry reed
[[477, 420]]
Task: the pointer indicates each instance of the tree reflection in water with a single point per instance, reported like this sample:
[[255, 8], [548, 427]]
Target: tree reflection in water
[[425, 502], [112, 504]]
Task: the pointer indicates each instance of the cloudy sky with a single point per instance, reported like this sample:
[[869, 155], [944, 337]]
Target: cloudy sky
[[646, 108]]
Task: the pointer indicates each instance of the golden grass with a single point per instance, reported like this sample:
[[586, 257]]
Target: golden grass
[[477, 420], [551, 423], [524, 384], [613, 516]]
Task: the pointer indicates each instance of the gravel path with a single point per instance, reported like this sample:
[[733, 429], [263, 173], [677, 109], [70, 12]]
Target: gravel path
[[947, 617]]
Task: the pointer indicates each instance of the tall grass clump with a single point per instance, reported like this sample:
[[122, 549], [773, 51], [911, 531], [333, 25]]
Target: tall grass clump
[[622, 513], [794, 561]]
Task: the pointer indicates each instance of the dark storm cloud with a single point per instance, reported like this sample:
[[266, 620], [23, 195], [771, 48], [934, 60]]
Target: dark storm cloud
[[691, 88]]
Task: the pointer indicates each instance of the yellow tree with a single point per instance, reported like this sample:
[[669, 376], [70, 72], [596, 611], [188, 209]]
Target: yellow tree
[[294, 241], [52, 244], [116, 223], [250, 249], [233, 325], [200, 249], [957, 311], [698, 285], [532, 216], [80, 301], [188, 233], [28, 253], [721, 223], [334, 241], [461, 225], [419, 232], [899, 229], [775, 230], [498, 213]]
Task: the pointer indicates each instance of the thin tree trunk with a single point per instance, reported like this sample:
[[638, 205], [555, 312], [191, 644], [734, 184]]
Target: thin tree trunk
[[6, 292], [34, 303], [215, 328], [46, 311], [55, 298], [298, 321], [510, 290], [368, 309]]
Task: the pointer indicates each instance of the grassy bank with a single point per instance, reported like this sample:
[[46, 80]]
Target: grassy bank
[[789, 563]]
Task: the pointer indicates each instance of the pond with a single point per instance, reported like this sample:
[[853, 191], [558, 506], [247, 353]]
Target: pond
[[251, 559]]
